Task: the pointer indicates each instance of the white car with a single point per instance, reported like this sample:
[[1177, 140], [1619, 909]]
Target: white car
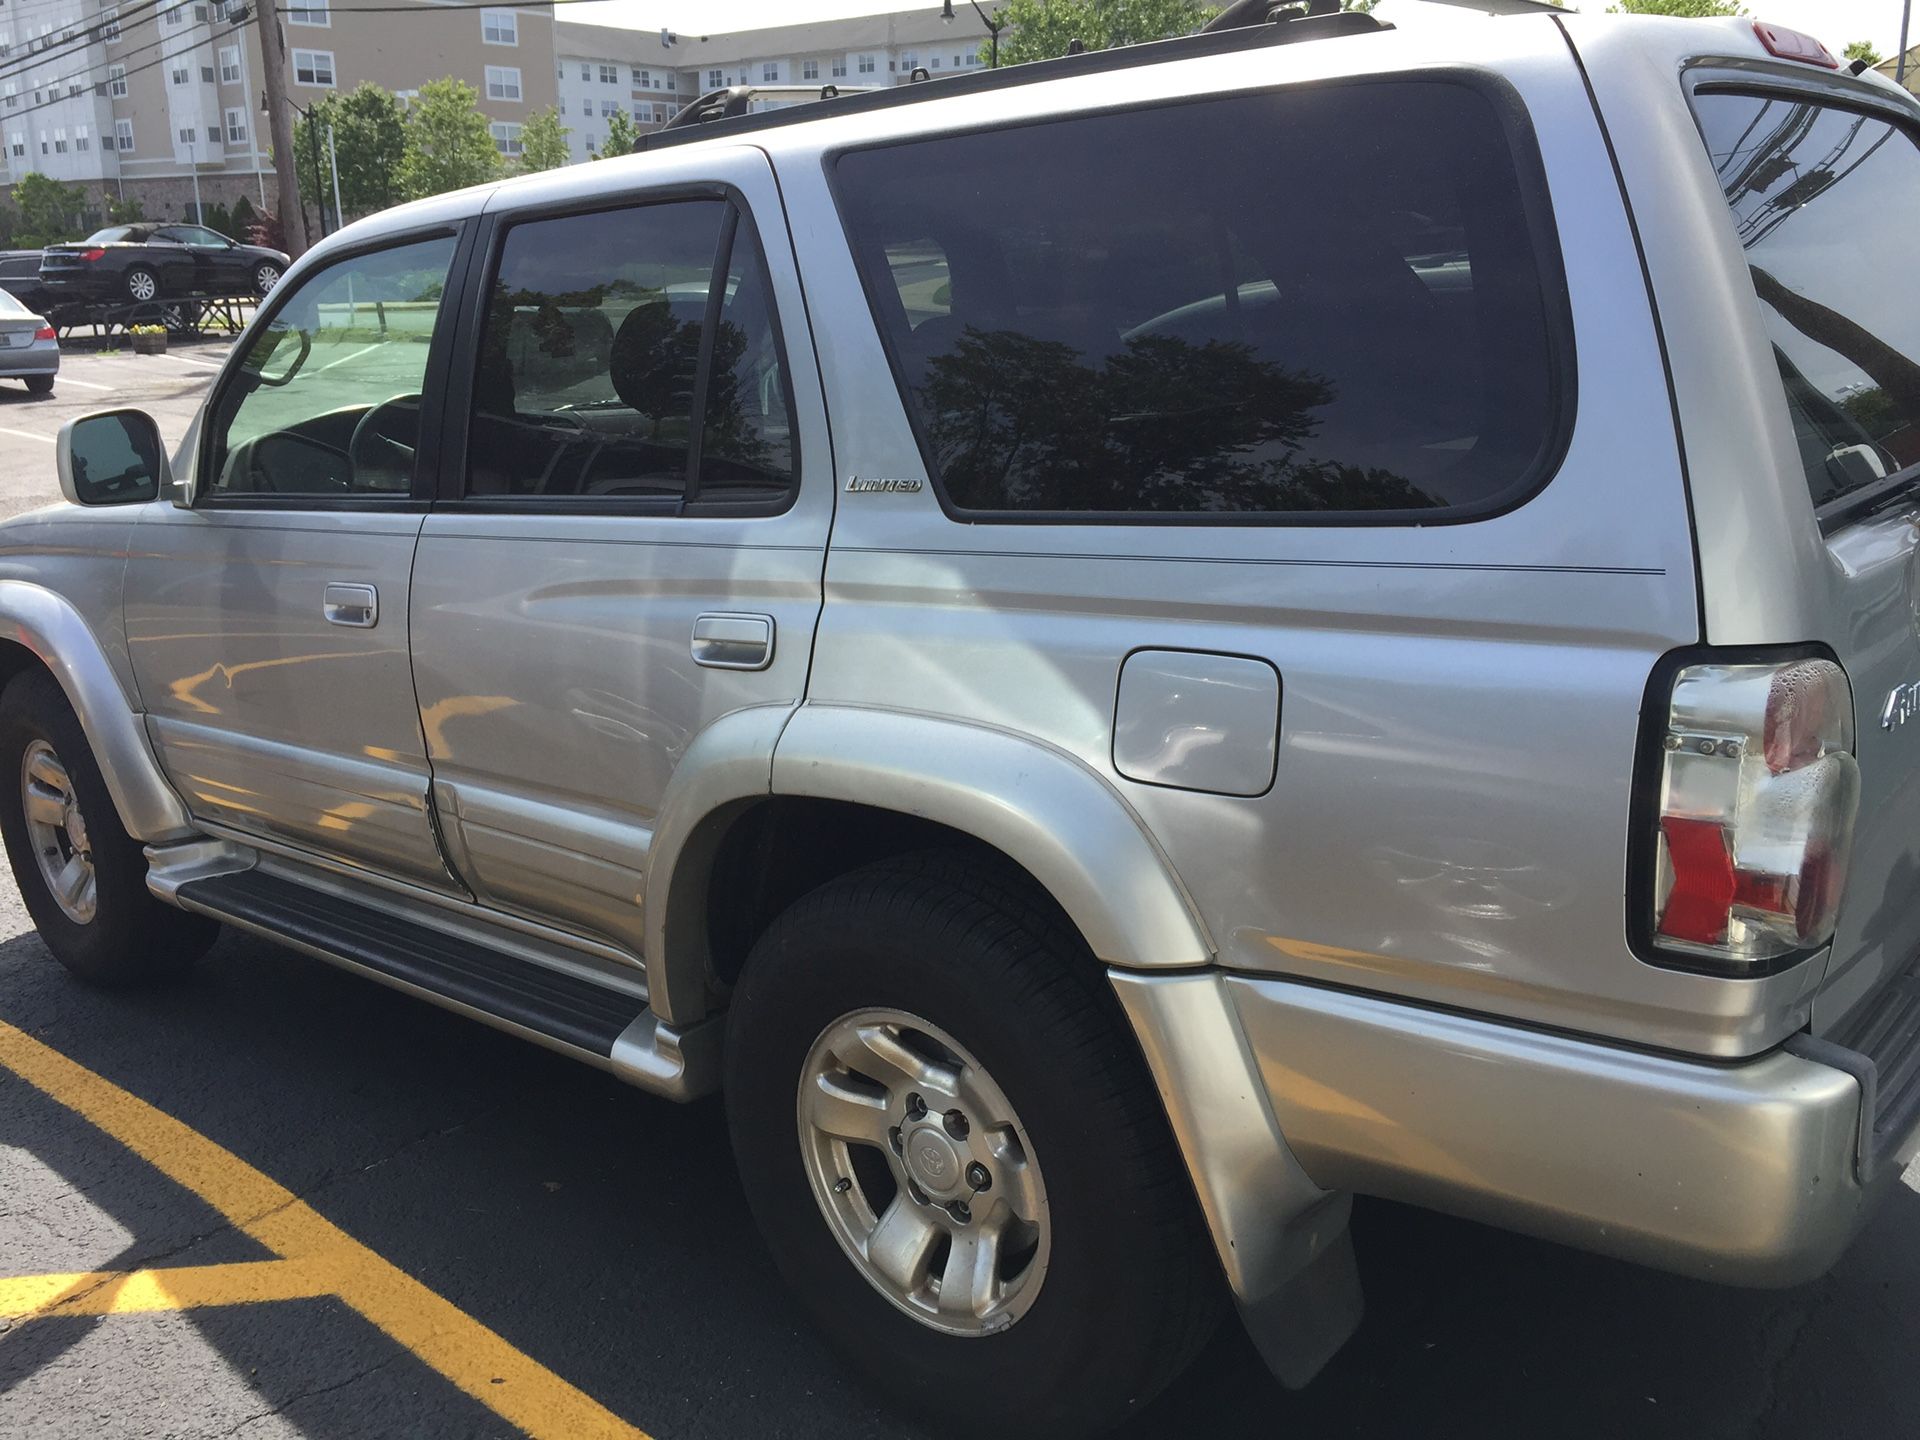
[[29, 348]]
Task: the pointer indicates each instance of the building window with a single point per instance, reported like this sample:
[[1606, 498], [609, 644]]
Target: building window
[[188, 134], [867, 66], [206, 74], [563, 104], [909, 61], [840, 67], [608, 108], [80, 138], [313, 67], [499, 27], [609, 74], [506, 137], [236, 126], [971, 59], [109, 23], [175, 17], [934, 64], [809, 69], [123, 134], [74, 87], [770, 72], [43, 142], [503, 82], [713, 79], [643, 79], [17, 143], [12, 93], [310, 12], [60, 140], [200, 14], [586, 71], [180, 75], [230, 65]]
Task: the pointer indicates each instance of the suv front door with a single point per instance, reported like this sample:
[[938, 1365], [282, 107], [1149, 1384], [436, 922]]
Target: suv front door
[[268, 623], [624, 552]]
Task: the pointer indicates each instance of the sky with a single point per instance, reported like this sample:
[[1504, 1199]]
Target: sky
[[1838, 22]]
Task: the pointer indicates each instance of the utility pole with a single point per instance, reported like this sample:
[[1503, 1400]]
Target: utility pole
[[273, 94], [1900, 65]]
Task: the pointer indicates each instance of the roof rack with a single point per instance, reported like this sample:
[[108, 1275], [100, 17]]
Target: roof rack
[[724, 112], [1242, 25]]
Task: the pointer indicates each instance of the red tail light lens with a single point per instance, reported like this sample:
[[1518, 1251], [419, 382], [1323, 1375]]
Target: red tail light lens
[[45, 332], [1785, 44], [1757, 794], [92, 255]]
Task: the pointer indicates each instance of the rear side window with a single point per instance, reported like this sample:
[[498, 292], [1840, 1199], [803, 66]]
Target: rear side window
[[1826, 202], [631, 355], [1310, 303]]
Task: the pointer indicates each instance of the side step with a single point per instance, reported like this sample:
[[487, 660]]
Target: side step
[[564, 1011]]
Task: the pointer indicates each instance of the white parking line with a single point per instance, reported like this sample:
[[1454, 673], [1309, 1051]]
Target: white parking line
[[27, 435], [84, 384]]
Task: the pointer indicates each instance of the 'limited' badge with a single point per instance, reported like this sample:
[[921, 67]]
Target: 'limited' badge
[[870, 485]]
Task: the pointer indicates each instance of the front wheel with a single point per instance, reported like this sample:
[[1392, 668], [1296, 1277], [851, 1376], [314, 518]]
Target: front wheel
[[957, 1156], [82, 877]]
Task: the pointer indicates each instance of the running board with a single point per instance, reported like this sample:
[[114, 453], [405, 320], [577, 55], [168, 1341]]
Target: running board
[[565, 1011]]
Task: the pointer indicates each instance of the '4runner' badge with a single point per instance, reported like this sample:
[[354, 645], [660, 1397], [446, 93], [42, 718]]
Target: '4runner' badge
[[1903, 703], [858, 485]]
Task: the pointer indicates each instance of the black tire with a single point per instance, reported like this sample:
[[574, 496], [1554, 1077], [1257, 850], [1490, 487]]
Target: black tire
[[134, 286], [1132, 1290], [265, 276], [132, 937], [39, 384]]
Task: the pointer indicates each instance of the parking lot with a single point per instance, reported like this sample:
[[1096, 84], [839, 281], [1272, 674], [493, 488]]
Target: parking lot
[[278, 1200]]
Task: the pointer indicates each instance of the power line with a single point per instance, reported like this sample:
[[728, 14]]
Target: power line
[[92, 75], [81, 40], [135, 70]]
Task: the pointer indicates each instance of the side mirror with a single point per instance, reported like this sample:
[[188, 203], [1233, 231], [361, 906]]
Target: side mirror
[[112, 457]]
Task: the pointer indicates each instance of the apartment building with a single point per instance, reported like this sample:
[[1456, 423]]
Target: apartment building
[[1891, 68], [651, 73], [159, 100]]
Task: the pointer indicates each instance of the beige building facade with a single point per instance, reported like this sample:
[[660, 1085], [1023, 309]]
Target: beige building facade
[[160, 103]]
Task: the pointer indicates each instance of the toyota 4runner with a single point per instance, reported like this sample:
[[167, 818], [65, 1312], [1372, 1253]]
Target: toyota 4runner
[[1119, 651]]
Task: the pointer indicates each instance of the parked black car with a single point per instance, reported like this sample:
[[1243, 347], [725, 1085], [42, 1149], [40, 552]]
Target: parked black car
[[150, 262], [20, 278]]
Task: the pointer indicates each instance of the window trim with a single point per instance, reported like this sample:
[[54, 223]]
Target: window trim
[[1516, 127], [488, 248], [434, 395]]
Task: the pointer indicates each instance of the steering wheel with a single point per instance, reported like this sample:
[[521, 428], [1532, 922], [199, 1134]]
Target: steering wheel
[[382, 447]]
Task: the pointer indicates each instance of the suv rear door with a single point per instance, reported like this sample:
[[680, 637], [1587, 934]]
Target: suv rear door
[[1824, 193], [623, 551]]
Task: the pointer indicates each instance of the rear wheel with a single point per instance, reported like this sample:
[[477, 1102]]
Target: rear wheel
[[142, 284], [40, 384], [956, 1154], [266, 275], [82, 877]]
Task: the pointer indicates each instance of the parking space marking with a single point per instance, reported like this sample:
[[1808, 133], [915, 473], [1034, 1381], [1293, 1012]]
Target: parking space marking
[[83, 384], [319, 1259], [26, 435]]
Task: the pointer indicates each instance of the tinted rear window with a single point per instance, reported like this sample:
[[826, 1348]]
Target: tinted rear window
[[1311, 302], [1827, 203]]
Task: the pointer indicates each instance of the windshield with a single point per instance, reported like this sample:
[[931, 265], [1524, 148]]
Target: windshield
[[11, 306], [1826, 202]]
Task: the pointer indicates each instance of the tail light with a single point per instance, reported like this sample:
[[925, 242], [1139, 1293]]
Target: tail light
[[91, 255], [1756, 799], [45, 332]]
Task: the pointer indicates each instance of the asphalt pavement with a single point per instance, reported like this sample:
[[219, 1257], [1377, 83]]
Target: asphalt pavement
[[601, 1235]]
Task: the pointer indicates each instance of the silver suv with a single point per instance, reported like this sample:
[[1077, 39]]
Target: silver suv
[[1120, 651]]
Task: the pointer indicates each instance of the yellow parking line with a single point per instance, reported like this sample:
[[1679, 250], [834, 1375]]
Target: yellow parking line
[[502, 1378], [188, 1287]]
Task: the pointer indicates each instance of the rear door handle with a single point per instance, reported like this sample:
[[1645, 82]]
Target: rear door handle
[[355, 605], [733, 642]]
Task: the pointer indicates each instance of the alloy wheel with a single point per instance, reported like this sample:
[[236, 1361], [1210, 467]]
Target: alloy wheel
[[58, 832]]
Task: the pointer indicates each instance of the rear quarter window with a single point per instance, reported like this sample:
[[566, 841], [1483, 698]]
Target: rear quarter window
[[1314, 304], [1826, 205]]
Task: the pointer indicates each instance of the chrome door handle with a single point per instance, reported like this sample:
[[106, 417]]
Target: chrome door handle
[[355, 605], [733, 642]]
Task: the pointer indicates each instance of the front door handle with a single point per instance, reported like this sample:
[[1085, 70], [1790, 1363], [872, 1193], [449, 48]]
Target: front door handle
[[355, 605], [733, 642]]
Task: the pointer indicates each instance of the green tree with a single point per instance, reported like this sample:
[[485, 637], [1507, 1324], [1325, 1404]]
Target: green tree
[[622, 137], [1043, 29], [369, 142], [1864, 50], [543, 141], [1685, 9], [448, 143], [49, 211]]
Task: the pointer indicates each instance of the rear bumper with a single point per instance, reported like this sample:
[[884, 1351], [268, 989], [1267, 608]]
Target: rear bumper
[[1757, 1173], [40, 358]]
